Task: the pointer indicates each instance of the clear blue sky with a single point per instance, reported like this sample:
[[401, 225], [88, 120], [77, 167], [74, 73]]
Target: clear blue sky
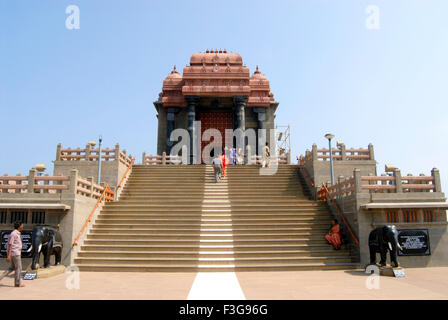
[[328, 71]]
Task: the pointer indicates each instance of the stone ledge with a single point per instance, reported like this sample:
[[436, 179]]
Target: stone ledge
[[47, 272]]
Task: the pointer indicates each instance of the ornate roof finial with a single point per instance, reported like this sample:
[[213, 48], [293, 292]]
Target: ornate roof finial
[[257, 71], [174, 70]]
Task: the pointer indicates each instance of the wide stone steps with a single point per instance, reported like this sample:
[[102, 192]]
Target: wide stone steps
[[216, 220], [222, 213], [193, 261], [194, 249], [206, 231], [222, 226], [211, 254], [177, 219], [218, 268], [209, 242], [125, 210], [261, 203], [207, 236]]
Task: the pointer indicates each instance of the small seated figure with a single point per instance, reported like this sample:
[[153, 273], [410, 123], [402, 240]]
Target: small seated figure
[[266, 153], [239, 156], [334, 236]]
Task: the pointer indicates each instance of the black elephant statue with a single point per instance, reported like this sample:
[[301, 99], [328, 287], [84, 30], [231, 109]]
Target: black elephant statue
[[48, 241], [383, 239]]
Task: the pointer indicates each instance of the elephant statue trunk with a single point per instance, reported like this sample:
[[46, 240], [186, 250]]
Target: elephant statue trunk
[[48, 241], [36, 249]]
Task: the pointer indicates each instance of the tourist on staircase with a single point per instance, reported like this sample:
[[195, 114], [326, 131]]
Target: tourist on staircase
[[334, 236], [225, 163], [217, 163], [233, 156]]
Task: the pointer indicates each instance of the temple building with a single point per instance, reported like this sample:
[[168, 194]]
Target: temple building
[[217, 90]]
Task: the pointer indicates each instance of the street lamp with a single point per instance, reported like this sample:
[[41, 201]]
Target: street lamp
[[99, 159], [330, 136]]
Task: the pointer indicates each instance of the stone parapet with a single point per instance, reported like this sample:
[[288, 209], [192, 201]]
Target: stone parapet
[[409, 202]]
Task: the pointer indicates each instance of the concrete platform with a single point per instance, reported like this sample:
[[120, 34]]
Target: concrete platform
[[52, 271], [421, 283]]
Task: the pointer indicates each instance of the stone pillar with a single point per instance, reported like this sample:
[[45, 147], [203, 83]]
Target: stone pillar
[[240, 104], [371, 183], [163, 158], [357, 176], [371, 153], [437, 183], [261, 118], [73, 181], [92, 189], [170, 123], [31, 180], [397, 175], [144, 158], [117, 152], [47, 183], [192, 102], [343, 152], [314, 152], [384, 183], [340, 180], [87, 152], [58, 152]]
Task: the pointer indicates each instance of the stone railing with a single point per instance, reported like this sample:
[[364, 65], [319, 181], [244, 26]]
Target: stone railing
[[339, 154], [90, 154], [88, 188], [255, 159], [160, 159], [33, 184], [385, 184]]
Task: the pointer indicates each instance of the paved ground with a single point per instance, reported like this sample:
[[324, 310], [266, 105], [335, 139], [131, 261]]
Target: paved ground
[[427, 283]]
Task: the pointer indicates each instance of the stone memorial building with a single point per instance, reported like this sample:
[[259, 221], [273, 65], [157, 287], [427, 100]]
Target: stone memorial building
[[217, 90]]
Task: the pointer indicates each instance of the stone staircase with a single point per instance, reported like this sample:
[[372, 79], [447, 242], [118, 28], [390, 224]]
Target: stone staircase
[[176, 218]]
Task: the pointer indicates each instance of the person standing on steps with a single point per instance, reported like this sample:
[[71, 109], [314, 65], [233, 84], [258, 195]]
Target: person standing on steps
[[266, 153], [225, 162], [233, 156], [217, 163], [14, 254]]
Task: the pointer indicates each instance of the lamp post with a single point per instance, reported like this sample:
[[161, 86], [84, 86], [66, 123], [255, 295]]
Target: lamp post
[[330, 136], [99, 159]]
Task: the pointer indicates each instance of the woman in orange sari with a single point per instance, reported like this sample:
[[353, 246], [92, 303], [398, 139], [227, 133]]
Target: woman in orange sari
[[334, 236]]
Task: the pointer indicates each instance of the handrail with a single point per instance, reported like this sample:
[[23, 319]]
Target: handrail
[[107, 194], [307, 176], [323, 193], [125, 174]]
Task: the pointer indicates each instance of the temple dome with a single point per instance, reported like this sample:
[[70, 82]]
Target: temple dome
[[258, 75], [174, 74]]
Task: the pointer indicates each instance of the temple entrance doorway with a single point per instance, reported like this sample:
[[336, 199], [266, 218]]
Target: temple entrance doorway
[[215, 120]]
